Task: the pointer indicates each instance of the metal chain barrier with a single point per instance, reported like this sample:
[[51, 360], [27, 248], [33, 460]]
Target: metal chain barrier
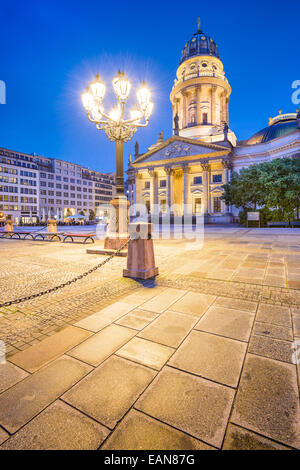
[[61, 286]]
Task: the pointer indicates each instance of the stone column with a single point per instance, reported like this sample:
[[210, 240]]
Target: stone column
[[205, 181], [169, 173], [198, 105], [154, 190], [213, 104], [227, 165], [184, 117], [227, 109], [186, 194]]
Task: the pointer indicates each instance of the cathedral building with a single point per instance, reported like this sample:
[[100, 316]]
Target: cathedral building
[[186, 172]]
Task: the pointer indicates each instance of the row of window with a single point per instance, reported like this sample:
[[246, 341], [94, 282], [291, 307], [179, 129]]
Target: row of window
[[197, 180], [59, 202], [64, 179], [66, 204], [16, 163], [29, 174], [8, 171], [8, 198]]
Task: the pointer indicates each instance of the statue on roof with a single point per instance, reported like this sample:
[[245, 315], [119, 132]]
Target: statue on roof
[[176, 124], [136, 148]]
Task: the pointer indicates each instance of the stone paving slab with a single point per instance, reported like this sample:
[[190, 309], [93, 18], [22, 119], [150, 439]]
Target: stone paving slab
[[237, 304], [169, 329], [240, 439], [49, 349], [3, 436], [110, 390], [26, 399], [271, 347], [191, 404], [137, 319], [235, 324], [296, 324], [142, 295], [140, 432], [146, 352], [212, 357], [267, 400], [193, 304], [59, 427], [163, 301], [278, 315], [10, 375], [106, 316], [273, 331], [102, 345]]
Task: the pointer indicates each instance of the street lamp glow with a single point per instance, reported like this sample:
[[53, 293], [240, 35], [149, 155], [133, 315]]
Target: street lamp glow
[[115, 114], [118, 128], [97, 113], [121, 86], [97, 88], [149, 110], [136, 114], [87, 100], [143, 96]]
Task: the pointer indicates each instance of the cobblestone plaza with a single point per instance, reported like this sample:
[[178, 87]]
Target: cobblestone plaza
[[205, 357]]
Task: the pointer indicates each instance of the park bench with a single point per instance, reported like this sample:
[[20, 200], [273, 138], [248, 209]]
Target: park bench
[[18, 235], [284, 224], [49, 236], [69, 237]]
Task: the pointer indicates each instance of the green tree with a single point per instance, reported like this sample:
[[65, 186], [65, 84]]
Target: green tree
[[280, 179], [244, 190], [273, 186]]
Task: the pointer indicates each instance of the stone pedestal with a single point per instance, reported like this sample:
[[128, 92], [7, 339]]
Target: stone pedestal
[[9, 224], [52, 226], [140, 259], [117, 233]]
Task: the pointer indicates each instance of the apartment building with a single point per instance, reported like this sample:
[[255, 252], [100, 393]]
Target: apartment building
[[34, 187]]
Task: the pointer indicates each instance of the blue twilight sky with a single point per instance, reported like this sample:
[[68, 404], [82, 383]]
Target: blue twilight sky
[[51, 49]]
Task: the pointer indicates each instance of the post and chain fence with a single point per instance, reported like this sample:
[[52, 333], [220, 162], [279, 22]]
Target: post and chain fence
[[67, 283]]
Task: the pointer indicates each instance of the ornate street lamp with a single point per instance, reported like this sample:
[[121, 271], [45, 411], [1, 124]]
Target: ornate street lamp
[[118, 130]]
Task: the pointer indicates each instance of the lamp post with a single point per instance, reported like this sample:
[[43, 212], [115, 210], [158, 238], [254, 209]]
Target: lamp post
[[118, 130]]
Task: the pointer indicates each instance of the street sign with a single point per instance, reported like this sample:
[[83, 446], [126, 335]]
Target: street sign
[[253, 216]]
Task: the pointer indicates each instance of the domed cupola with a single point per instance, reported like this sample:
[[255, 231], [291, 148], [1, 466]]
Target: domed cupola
[[200, 44], [201, 92]]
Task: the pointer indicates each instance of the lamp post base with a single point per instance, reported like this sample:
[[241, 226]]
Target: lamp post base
[[118, 224]]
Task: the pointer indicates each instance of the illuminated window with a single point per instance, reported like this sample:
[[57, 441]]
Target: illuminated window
[[197, 206], [217, 204]]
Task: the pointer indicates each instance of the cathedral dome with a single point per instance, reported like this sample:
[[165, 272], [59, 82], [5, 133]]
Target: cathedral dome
[[200, 44], [281, 125]]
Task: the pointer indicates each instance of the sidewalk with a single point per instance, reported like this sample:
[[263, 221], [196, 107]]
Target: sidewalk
[[161, 368]]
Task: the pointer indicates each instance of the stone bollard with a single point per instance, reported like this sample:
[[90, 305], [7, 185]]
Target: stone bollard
[[140, 258], [9, 224], [52, 226]]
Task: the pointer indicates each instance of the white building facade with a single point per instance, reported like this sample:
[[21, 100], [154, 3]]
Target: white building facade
[[187, 171], [34, 187]]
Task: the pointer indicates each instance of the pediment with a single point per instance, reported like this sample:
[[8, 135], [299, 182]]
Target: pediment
[[175, 148], [218, 189], [197, 191]]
